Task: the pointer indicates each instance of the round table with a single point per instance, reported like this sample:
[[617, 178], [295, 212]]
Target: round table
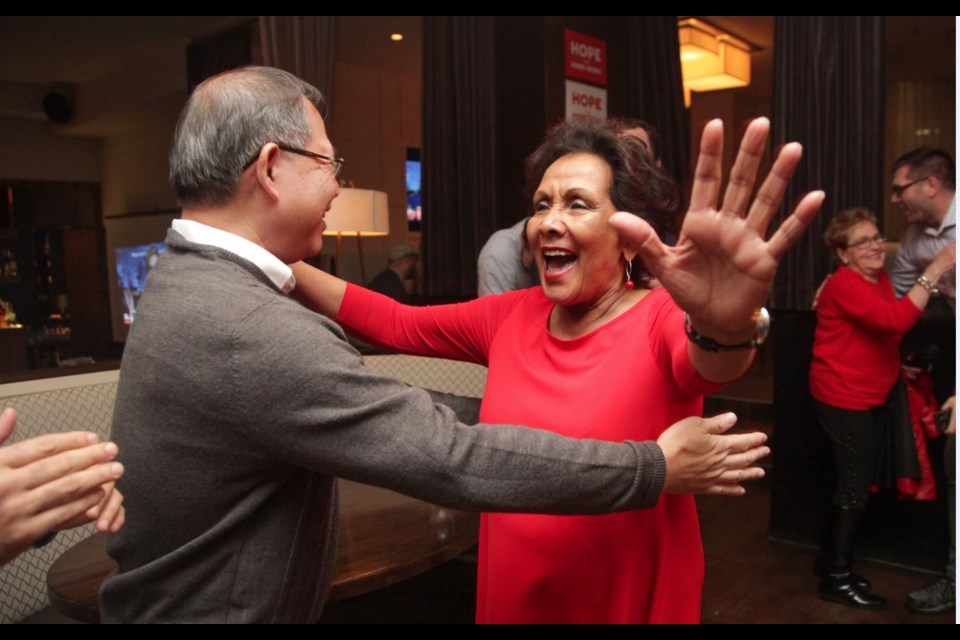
[[384, 537]]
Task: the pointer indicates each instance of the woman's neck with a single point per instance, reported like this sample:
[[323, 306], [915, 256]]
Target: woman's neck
[[874, 277], [575, 321]]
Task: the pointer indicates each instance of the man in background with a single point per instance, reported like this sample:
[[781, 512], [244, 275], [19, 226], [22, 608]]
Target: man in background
[[924, 186], [401, 266], [506, 262]]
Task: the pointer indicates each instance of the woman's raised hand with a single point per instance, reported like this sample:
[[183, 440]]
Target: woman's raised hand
[[722, 267]]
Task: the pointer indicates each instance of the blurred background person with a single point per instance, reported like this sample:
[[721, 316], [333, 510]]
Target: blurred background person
[[505, 262], [401, 266]]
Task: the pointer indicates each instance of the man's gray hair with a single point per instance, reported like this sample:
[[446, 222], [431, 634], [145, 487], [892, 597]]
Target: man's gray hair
[[227, 121]]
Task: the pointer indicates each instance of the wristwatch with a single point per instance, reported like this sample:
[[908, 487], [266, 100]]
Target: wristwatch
[[924, 282], [761, 320]]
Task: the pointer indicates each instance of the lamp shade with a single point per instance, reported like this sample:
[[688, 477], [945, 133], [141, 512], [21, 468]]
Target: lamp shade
[[358, 212], [711, 59]]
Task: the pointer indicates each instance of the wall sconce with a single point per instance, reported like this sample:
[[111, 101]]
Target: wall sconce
[[357, 212], [711, 59]]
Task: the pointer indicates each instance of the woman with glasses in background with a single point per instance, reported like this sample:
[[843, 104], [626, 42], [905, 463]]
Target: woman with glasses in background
[[856, 364]]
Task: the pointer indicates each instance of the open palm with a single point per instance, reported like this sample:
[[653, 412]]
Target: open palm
[[722, 268]]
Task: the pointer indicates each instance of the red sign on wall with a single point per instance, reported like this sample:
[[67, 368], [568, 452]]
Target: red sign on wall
[[585, 57]]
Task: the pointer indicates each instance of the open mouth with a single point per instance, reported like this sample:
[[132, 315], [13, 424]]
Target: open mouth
[[557, 261]]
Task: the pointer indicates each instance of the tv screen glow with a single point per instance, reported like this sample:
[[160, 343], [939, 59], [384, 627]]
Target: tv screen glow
[[414, 210]]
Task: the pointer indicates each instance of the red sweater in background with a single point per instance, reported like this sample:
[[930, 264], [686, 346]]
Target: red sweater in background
[[627, 380], [856, 348]]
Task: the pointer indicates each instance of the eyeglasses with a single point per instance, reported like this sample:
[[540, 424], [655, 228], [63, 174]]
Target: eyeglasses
[[336, 163], [863, 243], [898, 189]]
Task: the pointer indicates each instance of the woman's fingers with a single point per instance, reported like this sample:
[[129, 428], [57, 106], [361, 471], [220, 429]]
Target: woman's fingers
[[707, 175], [110, 513], [66, 463], [794, 226], [744, 172], [44, 447], [771, 192], [66, 515], [635, 232], [8, 420], [73, 485]]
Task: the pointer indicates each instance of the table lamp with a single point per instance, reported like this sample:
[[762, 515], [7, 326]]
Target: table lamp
[[357, 212]]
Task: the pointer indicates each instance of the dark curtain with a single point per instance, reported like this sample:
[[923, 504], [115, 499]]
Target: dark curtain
[[828, 94], [655, 87], [459, 151], [302, 45], [220, 52]]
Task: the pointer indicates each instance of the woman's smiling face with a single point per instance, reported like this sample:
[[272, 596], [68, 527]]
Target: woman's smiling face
[[578, 253]]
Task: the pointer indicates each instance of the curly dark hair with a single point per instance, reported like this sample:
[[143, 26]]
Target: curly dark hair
[[637, 185]]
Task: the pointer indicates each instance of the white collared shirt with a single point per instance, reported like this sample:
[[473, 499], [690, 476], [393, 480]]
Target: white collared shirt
[[199, 233]]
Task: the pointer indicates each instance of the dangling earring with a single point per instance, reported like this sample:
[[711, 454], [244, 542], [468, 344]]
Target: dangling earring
[[629, 279]]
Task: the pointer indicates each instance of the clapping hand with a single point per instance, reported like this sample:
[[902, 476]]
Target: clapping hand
[[53, 482]]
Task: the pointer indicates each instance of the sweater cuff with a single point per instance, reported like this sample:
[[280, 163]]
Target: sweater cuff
[[651, 474]]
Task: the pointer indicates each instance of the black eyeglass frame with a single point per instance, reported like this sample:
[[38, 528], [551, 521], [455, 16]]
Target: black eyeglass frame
[[337, 162], [898, 189]]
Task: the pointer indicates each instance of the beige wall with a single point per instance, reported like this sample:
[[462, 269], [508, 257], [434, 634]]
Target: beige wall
[[134, 168], [373, 117], [29, 150]]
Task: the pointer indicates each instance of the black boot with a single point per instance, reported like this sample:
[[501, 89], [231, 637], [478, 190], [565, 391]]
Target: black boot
[[838, 582], [821, 570]]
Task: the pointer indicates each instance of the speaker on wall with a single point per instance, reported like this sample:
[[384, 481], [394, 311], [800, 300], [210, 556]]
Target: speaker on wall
[[57, 108]]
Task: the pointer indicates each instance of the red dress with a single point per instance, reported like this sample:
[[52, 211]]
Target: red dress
[[627, 380]]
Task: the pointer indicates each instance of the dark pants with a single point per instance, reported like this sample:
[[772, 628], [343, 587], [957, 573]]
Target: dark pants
[[857, 441]]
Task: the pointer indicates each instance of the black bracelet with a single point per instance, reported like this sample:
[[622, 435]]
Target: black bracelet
[[761, 320]]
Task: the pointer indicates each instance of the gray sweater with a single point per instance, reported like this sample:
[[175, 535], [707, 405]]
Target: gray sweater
[[236, 410]]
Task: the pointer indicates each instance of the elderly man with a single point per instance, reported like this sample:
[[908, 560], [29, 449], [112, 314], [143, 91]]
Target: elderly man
[[924, 186], [237, 408]]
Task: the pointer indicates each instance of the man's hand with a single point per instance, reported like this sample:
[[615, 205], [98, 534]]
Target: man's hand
[[53, 482], [700, 459]]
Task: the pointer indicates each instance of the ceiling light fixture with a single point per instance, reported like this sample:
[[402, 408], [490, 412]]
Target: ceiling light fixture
[[711, 58]]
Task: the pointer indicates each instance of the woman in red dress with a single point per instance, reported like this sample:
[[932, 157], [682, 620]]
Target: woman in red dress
[[593, 353]]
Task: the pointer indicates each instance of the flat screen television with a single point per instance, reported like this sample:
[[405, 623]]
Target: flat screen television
[[134, 242], [132, 266], [414, 210]]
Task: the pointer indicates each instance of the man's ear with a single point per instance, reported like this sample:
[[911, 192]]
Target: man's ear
[[265, 168]]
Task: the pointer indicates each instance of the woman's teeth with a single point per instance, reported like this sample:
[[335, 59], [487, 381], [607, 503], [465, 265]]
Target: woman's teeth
[[556, 261]]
